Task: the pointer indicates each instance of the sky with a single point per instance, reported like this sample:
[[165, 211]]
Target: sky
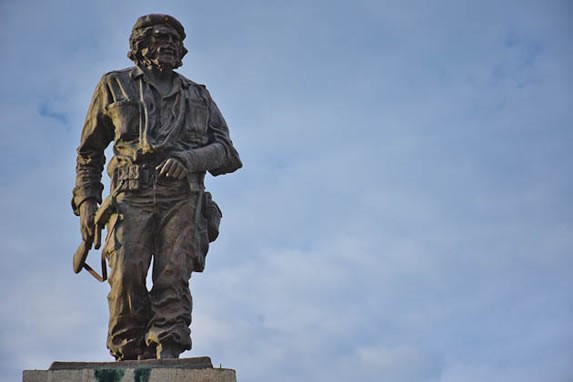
[[404, 212]]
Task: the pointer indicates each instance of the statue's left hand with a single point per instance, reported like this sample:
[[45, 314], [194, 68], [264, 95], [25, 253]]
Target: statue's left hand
[[172, 168], [88, 209]]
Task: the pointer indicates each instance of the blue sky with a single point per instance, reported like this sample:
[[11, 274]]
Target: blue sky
[[404, 211]]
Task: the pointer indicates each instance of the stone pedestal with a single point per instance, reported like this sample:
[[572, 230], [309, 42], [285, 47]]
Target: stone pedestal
[[197, 369]]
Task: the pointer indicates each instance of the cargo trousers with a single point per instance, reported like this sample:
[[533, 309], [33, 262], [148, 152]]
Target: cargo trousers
[[158, 225]]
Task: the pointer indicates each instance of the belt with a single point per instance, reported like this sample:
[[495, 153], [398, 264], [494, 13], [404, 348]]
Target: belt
[[141, 176]]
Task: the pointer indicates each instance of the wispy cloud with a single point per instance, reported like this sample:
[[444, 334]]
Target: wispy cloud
[[403, 212]]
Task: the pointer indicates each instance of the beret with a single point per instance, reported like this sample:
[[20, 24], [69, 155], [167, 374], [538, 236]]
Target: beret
[[156, 18]]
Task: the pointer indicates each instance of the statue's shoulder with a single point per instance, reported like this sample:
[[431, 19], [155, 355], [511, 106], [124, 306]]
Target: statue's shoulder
[[126, 73], [186, 81]]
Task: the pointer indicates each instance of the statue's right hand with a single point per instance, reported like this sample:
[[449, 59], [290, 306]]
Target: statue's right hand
[[88, 209]]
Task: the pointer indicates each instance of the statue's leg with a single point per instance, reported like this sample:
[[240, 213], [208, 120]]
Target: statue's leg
[[130, 250], [171, 301]]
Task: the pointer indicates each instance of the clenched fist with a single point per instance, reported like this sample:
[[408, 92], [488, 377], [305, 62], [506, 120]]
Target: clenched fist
[[88, 209]]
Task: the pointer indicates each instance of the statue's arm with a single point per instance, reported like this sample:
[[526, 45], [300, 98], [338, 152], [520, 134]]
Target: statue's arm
[[97, 133], [219, 156]]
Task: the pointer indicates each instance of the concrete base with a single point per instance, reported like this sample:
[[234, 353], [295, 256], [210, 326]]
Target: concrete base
[[180, 370]]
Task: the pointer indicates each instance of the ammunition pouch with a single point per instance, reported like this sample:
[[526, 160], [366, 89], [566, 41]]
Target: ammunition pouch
[[134, 177], [141, 176]]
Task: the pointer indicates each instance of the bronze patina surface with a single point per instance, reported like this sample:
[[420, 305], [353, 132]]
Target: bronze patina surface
[[167, 134]]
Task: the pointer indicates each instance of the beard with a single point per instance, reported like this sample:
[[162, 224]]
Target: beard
[[161, 58]]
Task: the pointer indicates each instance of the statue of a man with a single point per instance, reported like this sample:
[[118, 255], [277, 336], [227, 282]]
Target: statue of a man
[[167, 134]]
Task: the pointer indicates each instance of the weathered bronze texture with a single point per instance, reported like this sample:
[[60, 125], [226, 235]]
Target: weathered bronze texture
[[167, 133]]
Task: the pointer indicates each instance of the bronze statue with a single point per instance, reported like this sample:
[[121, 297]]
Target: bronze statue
[[167, 134]]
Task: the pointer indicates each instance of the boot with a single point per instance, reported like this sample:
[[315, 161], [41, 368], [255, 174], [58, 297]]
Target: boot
[[168, 351], [147, 354]]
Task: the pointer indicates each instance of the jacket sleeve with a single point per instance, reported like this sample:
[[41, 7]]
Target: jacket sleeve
[[96, 136], [219, 156]]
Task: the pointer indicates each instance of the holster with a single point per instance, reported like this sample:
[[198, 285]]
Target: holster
[[213, 215]]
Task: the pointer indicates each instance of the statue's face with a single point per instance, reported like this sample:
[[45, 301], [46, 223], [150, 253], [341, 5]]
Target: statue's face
[[163, 48]]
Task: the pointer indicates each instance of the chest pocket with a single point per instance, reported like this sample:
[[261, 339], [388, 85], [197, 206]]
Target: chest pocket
[[198, 116], [125, 116]]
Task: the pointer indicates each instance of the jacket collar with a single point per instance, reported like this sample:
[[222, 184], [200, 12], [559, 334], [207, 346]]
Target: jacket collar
[[180, 81]]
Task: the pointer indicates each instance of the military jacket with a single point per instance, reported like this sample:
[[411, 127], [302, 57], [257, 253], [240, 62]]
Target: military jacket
[[147, 128]]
